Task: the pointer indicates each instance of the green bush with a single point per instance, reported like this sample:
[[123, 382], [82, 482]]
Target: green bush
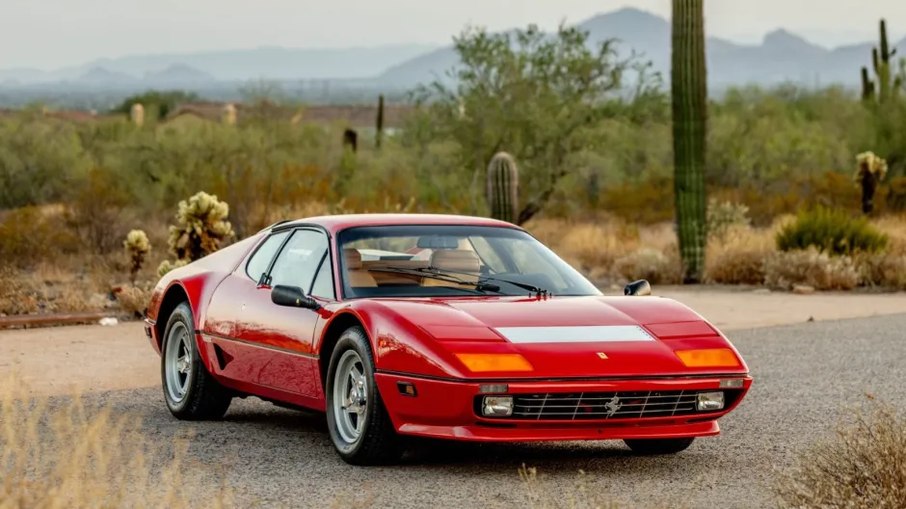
[[832, 231]]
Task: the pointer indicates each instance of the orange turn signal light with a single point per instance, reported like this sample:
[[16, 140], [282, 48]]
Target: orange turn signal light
[[482, 362], [708, 358]]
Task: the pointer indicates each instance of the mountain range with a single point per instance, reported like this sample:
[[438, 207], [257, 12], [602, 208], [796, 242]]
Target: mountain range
[[782, 56]]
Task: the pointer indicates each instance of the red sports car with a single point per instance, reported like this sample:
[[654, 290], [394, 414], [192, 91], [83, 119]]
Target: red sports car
[[436, 326]]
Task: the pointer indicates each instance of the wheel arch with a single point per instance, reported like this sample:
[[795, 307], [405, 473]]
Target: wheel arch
[[173, 297], [332, 332]]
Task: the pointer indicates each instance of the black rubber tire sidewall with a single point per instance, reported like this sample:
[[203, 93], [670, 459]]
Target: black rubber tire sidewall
[[205, 398], [377, 442], [183, 314]]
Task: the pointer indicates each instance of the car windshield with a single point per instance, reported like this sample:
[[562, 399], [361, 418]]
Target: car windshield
[[441, 261]]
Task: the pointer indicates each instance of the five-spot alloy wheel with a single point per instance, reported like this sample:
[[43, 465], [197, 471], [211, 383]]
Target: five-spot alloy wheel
[[357, 421], [190, 391]]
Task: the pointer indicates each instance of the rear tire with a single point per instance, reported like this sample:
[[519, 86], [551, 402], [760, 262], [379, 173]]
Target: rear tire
[[655, 446], [190, 391], [357, 420]]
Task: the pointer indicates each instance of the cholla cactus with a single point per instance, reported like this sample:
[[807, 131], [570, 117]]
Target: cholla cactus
[[166, 266], [137, 247], [870, 171], [723, 216], [201, 226], [137, 114]]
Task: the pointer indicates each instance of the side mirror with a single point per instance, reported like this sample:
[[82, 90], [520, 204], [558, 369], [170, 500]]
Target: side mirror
[[637, 288], [292, 296]]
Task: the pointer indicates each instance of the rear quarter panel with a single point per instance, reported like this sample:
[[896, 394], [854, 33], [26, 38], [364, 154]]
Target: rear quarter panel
[[199, 279]]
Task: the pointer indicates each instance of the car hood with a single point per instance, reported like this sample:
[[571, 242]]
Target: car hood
[[569, 337]]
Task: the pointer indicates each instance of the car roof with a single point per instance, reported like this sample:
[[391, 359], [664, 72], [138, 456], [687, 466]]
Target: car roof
[[334, 224]]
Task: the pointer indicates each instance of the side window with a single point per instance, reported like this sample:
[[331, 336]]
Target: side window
[[323, 285], [262, 257], [299, 259]]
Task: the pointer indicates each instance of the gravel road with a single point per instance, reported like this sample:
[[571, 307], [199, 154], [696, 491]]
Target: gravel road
[[806, 378]]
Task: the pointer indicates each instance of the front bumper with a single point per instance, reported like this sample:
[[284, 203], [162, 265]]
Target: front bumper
[[446, 409]]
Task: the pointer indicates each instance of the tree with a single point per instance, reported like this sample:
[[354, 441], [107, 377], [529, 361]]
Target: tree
[[689, 91], [162, 102], [531, 94]]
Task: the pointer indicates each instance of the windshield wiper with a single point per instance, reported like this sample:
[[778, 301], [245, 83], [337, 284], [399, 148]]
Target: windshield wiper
[[541, 292], [480, 286], [483, 281]]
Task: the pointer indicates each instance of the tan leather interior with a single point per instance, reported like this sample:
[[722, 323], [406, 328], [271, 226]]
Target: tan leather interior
[[357, 276], [456, 261]]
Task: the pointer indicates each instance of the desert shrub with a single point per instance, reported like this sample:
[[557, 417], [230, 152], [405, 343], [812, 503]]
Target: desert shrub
[[17, 297], [651, 264], [96, 210], [810, 267], [738, 257], [864, 465], [832, 231], [49, 288], [134, 300], [201, 227], [137, 248], [30, 235], [882, 270], [723, 215]]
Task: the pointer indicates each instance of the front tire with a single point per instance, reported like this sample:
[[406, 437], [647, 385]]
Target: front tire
[[357, 420], [190, 391], [656, 446]]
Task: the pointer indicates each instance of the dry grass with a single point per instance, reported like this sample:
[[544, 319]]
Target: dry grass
[[538, 495], [738, 256], [75, 455], [819, 270], [611, 250], [864, 465], [658, 267]]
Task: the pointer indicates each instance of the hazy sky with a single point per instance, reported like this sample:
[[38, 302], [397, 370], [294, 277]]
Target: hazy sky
[[53, 33]]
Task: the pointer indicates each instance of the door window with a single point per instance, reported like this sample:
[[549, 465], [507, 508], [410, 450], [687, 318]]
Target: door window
[[261, 259], [323, 285], [299, 259]]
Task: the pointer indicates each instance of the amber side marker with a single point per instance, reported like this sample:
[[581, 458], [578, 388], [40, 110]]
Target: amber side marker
[[407, 389]]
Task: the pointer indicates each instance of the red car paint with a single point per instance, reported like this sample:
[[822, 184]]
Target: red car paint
[[256, 347]]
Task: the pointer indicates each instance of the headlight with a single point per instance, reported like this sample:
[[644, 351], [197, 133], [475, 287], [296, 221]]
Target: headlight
[[497, 406], [709, 401]]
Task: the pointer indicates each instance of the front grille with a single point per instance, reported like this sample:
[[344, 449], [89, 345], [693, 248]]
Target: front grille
[[605, 405]]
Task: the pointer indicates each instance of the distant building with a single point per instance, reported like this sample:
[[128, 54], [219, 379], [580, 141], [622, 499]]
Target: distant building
[[354, 116]]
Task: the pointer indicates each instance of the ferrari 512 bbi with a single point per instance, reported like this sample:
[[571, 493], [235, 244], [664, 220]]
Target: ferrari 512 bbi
[[444, 327]]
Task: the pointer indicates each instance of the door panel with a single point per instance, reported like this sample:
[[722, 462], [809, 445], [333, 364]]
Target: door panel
[[263, 343]]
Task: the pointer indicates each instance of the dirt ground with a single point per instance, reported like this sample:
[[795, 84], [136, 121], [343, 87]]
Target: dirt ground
[[93, 358]]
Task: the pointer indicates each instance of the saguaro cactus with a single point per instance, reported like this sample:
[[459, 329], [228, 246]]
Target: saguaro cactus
[[503, 187], [885, 84], [137, 114], [379, 128], [689, 91], [229, 114]]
